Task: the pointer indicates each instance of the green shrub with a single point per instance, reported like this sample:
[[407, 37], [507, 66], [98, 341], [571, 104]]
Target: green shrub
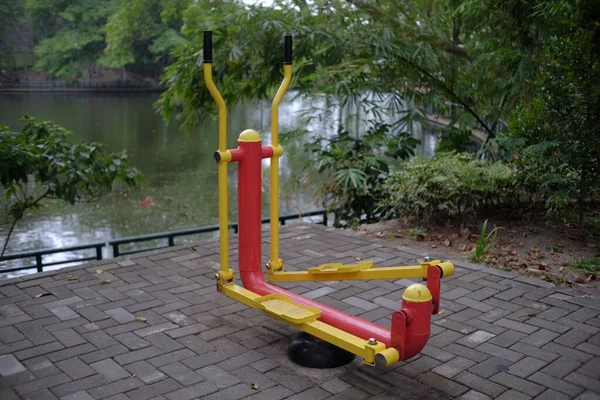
[[447, 185], [356, 169]]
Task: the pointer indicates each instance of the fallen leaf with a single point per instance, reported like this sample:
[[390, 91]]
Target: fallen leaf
[[589, 278], [380, 234], [535, 271], [561, 269], [440, 312], [358, 258], [514, 253], [543, 267], [72, 277], [591, 245], [254, 386], [140, 319], [434, 245], [193, 248], [448, 243], [43, 294], [99, 270], [104, 282]]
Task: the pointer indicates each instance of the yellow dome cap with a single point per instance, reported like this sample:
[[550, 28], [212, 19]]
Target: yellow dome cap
[[249, 135], [417, 293]]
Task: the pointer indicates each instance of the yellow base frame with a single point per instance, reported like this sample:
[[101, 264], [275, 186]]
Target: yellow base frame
[[357, 272], [305, 319]]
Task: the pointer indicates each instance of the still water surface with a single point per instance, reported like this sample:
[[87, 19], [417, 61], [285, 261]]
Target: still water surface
[[179, 168]]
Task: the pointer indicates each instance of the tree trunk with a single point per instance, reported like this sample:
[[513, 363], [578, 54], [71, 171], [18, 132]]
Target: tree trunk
[[581, 199], [10, 231]]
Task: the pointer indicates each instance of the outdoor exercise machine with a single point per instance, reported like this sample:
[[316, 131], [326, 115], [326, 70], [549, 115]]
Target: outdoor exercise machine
[[377, 345]]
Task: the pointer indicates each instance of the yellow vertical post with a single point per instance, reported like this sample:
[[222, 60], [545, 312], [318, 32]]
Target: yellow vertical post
[[222, 167], [275, 261]]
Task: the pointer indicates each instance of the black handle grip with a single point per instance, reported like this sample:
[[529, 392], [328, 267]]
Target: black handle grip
[[207, 54], [287, 49]]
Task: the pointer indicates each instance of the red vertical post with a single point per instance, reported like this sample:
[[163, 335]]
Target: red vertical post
[[249, 201]]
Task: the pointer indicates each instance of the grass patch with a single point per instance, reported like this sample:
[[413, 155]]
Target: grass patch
[[587, 266]]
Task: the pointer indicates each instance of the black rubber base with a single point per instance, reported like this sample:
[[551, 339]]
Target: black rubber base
[[310, 352]]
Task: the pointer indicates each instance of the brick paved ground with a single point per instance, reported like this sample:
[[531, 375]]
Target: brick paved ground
[[499, 336]]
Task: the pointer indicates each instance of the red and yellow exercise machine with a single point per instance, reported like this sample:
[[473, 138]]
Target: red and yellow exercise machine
[[377, 345]]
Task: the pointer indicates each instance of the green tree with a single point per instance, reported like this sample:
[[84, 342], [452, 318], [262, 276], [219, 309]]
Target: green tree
[[558, 133], [73, 34], [38, 163], [143, 32], [462, 60], [11, 12]]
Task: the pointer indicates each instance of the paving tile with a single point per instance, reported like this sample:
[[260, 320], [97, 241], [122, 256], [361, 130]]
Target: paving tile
[[275, 393], [199, 390], [154, 389], [120, 315], [516, 326], [453, 367], [508, 338], [534, 352], [75, 368], [417, 367], [110, 370], [552, 395], [522, 385], [474, 395], [335, 386], [113, 388], [573, 338], [99, 339], [500, 352], [552, 326], [445, 385], [71, 352], [289, 379], [181, 374], [561, 367], [584, 381], [513, 395], [567, 352], [558, 385], [138, 355], [480, 385], [526, 367], [466, 352], [10, 366], [491, 367], [476, 338], [360, 303], [540, 338], [78, 396], [40, 384]]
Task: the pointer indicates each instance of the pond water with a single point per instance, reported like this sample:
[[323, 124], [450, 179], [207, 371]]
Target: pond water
[[179, 168]]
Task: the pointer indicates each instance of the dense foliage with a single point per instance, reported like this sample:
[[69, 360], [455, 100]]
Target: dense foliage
[[38, 162], [450, 185], [355, 169], [77, 39], [525, 74]]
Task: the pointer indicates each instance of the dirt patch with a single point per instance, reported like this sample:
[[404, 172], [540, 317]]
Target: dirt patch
[[536, 247]]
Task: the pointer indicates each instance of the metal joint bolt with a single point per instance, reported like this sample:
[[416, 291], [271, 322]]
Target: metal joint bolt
[[217, 276], [268, 265], [426, 258], [372, 341]]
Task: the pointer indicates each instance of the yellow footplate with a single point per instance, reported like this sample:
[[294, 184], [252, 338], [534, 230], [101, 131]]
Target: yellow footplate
[[285, 308], [340, 268]]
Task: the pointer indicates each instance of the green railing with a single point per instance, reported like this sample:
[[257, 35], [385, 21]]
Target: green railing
[[117, 243]]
